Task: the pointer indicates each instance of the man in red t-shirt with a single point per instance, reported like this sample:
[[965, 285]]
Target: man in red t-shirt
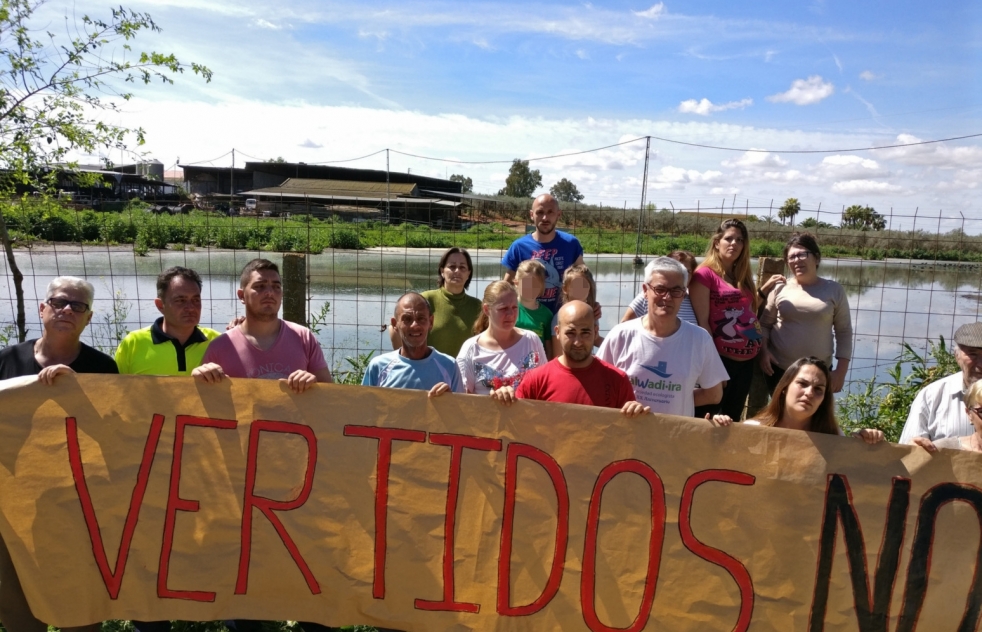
[[576, 377]]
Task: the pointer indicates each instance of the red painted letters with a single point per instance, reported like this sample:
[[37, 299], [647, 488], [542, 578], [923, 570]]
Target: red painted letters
[[457, 443], [175, 503], [515, 451], [112, 578], [385, 438], [268, 505], [733, 566], [588, 582]]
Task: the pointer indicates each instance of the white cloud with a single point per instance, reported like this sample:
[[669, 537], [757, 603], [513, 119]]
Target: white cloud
[[266, 24], [849, 167], [582, 54], [670, 177], [941, 155], [805, 91], [309, 144], [865, 187], [867, 75], [655, 11], [704, 106], [756, 160]]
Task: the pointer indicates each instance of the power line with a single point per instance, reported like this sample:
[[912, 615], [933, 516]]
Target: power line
[[330, 162], [508, 162], [212, 160], [815, 151]]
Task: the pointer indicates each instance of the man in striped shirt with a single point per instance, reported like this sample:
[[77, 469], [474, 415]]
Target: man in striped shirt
[[938, 411]]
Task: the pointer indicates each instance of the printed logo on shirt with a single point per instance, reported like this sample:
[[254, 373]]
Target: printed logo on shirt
[[550, 259], [660, 385], [495, 378], [660, 369], [271, 371]]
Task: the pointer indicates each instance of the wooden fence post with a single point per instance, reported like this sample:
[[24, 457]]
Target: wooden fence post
[[295, 287], [766, 268]]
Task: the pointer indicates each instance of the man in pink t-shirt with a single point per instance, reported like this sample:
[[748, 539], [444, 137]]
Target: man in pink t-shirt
[[577, 377], [264, 346]]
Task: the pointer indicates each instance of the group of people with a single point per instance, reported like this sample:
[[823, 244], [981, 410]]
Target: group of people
[[686, 345]]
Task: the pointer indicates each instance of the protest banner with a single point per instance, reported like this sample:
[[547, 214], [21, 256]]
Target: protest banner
[[127, 497]]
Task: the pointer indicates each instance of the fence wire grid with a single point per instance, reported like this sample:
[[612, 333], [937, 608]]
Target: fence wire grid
[[912, 282]]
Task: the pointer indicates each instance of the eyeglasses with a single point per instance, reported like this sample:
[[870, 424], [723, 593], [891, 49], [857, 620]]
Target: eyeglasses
[[674, 292], [59, 304], [977, 410], [798, 256]]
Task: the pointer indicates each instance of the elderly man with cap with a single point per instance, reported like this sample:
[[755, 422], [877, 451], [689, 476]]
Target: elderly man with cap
[[938, 411]]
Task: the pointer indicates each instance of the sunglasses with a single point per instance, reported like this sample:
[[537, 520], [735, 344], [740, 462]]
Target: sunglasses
[[977, 410], [59, 304]]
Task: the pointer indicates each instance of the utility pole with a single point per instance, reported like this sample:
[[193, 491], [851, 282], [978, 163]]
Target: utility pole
[[387, 210], [231, 181], [644, 192]]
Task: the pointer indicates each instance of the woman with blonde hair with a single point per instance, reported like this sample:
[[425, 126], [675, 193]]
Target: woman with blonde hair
[[724, 300], [499, 354]]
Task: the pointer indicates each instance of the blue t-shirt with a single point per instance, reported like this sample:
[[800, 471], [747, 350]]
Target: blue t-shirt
[[392, 370], [557, 255]]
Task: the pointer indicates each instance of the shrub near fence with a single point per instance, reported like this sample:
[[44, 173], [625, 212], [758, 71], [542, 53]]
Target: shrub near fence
[[34, 219]]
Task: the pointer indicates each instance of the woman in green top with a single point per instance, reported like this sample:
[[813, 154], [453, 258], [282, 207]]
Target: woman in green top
[[454, 312]]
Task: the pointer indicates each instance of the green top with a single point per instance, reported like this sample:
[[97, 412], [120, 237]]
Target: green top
[[454, 316], [537, 320], [149, 351]]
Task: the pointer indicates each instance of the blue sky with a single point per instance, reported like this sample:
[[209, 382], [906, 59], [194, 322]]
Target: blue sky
[[320, 81]]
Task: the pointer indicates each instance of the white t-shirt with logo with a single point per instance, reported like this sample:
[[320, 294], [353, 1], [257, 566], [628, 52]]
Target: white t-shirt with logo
[[664, 371]]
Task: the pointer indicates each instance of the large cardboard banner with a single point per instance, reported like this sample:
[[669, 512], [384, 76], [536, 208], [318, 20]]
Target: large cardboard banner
[[158, 498]]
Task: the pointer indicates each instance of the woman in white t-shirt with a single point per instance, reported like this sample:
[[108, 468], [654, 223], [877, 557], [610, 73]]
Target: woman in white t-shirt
[[803, 400], [499, 355]]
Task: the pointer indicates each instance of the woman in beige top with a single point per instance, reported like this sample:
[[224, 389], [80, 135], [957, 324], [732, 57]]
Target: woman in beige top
[[803, 316]]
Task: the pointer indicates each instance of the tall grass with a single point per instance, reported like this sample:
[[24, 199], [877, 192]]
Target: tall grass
[[599, 230]]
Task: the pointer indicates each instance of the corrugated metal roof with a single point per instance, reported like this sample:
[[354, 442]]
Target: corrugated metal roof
[[278, 192], [343, 188]]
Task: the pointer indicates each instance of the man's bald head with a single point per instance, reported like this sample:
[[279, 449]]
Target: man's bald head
[[576, 329], [575, 311], [545, 213], [411, 301]]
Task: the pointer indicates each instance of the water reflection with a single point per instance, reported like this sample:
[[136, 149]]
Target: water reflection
[[891, 302]]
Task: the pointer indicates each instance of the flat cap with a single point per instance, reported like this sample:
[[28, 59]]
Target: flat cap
[[969, 335]]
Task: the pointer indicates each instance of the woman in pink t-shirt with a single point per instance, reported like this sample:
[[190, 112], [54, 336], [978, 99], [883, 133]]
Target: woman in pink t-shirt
[[724, 300]]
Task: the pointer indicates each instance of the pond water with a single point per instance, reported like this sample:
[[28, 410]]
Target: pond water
[[892, 302]]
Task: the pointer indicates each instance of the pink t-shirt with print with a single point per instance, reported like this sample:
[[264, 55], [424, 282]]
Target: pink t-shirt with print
[[732, 321], [295, 349]]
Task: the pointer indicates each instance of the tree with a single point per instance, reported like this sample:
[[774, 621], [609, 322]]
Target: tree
[[811, 222], [566, 191], [789, 209], [277, 160], [50, 89], [521, 181], [468, 184], [863, 218]]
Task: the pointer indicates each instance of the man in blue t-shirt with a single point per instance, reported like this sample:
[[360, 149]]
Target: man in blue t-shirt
[[414, 365], [555, 249]]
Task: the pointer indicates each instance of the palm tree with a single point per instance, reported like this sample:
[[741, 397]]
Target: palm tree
[[788, 210]]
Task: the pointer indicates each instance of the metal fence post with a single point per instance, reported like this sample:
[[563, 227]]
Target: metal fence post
[[295, 287]]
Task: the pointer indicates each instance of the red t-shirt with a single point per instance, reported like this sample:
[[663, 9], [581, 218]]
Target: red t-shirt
[[599, 384]]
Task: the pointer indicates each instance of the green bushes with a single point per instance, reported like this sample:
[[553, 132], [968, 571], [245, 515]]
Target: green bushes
[[886, 406]]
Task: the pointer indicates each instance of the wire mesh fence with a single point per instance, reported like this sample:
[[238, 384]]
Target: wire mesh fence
[[913, 281]]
